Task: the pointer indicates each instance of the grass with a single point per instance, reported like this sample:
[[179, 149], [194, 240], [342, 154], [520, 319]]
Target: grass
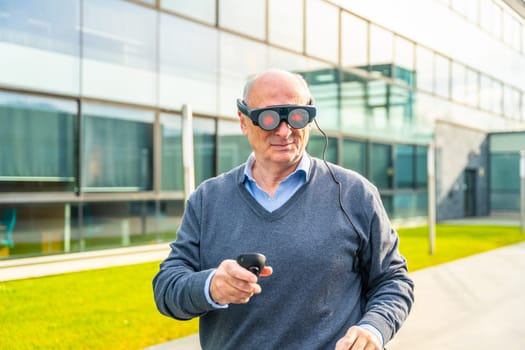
[[453, 242], [99, 309], [113, 308]]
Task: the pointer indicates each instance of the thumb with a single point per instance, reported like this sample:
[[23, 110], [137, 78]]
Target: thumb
[[267, 271]]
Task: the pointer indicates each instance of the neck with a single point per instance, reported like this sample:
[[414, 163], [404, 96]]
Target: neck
[[268, 177]]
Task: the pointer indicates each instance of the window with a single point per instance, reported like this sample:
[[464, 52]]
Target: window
[[424, 69], [355, 155], [43, 42], [171, 150], [233, 148], [316, 146], [188, 72], [381, 51], [233, 15], [119, 55], [322, 43], [203, 10], [354, 42], [442, 82], [37, 139], [404, 61], [203, 148], [404, 166], [381, 170], [117, 149], [421, 167], [288, 33]]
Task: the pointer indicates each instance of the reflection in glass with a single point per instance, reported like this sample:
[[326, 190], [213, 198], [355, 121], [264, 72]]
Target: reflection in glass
[[404, 166], [98, 225], [458, 82], [442, 69], [355, 155], [354, 42], [381, 51], [511, 103], [289, 33], [424, 69], [204, 148], [421, 166], [43, 42], [171, 150], [119, 55], [232, 147], [236, 69], [232, 16], [203, 10], [472, 88], [188, 72], [316, 146], [322, 43], [404, 61], [504, 181], [324, 85], [117, 149], [37, 143], [381, 172]]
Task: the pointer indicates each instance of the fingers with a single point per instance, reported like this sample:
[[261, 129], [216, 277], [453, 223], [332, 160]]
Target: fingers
[[233, 284], [358, 338]]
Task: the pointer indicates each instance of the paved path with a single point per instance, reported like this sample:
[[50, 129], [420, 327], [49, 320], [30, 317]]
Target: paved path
[[62, 263], [476, 303]]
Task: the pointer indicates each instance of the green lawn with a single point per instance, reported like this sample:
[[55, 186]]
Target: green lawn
[[113, 308]]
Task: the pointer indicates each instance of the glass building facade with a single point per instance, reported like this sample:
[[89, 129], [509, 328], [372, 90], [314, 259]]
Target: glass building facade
[[92, 93]]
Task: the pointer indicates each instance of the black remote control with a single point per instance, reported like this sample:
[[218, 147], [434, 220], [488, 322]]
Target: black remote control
[[254, 262]]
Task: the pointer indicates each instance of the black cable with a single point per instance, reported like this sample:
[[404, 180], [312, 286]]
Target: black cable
[[356, 261]]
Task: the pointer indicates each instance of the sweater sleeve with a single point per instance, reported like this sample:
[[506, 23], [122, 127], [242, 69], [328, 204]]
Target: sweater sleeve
[[179, 286], [388, 290]]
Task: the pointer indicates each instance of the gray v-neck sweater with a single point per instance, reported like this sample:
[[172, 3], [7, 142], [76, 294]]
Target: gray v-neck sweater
[[315, 294]]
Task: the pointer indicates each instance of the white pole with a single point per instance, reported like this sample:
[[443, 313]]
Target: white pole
[[187, 150], [67, 228], [431, 197], [522, 190]]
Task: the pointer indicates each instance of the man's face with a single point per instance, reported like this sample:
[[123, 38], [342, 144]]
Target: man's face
[[283, 145]]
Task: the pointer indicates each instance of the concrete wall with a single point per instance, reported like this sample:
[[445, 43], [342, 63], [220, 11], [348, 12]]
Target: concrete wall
[[459, 149]]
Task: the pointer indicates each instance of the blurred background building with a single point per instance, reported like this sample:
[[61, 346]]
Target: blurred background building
[[92, 91]]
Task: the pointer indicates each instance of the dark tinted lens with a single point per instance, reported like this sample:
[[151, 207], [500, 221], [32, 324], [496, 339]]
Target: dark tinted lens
[[298, 118], [268, 120]]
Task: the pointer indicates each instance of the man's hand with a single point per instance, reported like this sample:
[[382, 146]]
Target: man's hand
[[233, 284], [358, 338]]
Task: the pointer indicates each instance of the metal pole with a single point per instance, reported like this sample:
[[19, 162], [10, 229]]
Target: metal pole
[[187, 150], [431, 177], [522, 191], [67, 228]]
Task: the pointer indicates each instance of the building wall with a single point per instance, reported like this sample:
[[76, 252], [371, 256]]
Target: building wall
[[458, 151], [91, 102]]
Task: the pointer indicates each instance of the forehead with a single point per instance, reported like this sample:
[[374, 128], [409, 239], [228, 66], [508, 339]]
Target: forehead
[[276, 89]]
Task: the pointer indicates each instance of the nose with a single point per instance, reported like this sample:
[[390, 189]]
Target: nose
[[283, 129]]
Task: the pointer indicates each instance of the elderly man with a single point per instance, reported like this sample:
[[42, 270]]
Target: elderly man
[[337, 279]]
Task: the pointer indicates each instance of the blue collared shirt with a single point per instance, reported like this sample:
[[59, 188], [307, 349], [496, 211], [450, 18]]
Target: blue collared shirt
[[284, 191]]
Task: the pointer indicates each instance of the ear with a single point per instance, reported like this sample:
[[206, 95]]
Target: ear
[[242, 120]]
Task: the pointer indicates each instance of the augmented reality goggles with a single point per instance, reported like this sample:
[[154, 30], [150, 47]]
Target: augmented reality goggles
[[269, 118]]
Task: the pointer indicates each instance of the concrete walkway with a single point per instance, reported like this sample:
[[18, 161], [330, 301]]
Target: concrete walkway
[[475, 303], [62, 263]]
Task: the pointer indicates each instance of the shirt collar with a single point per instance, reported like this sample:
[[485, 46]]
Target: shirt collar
[[303, 166]]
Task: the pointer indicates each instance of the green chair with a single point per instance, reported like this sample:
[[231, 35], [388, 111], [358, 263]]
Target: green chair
[[7, 226]]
